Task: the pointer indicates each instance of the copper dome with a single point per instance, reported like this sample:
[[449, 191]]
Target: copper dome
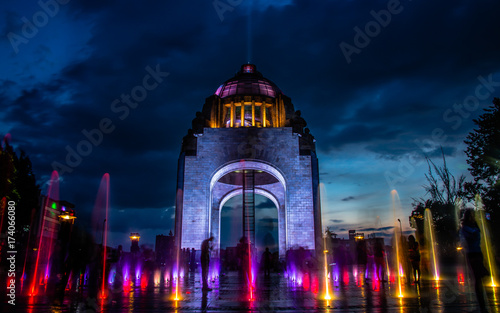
[[248, 82]]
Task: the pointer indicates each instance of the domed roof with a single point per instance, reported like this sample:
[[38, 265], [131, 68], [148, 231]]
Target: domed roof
[[248, 82]]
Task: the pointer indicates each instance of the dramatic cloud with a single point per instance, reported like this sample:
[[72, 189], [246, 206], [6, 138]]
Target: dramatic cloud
[[370, 117], [377, 229], [348, 198], [336, 221], [266, 204]]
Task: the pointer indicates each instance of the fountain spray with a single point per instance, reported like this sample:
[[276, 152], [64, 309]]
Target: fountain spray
[[394, 194], [430, 239]]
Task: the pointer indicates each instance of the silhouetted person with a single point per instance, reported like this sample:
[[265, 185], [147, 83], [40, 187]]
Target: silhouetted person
[[243, 256], [267, 261], [192, 261], [182, 257], [187, 259], [204, 301], [340, 258], [414, 257], [378, 254], [82, 252], [471, 241], [362, 257], [205, 261]]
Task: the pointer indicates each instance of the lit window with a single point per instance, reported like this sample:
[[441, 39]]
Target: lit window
[[248, 115], [237, 118]]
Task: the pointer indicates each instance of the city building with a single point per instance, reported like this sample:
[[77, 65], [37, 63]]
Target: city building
[[164, 249], [134, 243], [50, 233]]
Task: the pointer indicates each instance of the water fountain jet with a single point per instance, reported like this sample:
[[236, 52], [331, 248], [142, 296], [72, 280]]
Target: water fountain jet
[[327, 281], [485, 242], [105, 181], [430, 241], [397, 243], [52, 194]]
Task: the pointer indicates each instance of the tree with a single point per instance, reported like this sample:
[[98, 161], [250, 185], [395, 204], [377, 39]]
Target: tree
[[445, 195], [18, 184], [483, 152]]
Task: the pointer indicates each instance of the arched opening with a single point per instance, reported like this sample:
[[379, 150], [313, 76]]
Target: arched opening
[[229, 181], [266, 228]]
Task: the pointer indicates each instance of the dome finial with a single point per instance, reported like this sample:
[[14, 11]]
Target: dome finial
[[248, 68]]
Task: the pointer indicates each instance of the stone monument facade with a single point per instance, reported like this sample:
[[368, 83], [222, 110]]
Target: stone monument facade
[[248, 139]]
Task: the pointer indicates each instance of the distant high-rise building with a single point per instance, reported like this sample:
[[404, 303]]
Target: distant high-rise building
[[52, 228], [134, 243]]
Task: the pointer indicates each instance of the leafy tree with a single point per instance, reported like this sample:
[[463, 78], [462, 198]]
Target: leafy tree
[[18, 184], [7, 171], [483, 152], [445, 194]]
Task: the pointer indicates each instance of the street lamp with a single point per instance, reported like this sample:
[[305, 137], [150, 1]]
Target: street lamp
[[67, 216], [134, 240], [400, 228]]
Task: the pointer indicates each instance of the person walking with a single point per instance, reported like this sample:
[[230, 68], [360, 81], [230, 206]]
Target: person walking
[[267, 262], [378, 255], [414, 257], [362, 256], [470, 236], [205, 261], [192, 261]]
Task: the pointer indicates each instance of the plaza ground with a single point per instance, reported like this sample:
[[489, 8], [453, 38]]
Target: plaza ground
[[276, 293]]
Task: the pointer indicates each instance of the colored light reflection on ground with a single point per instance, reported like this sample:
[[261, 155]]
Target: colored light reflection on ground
[[300, 295], [141, 281], [157, 278]]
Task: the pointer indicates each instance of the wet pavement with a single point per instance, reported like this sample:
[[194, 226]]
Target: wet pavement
[[275, 294]]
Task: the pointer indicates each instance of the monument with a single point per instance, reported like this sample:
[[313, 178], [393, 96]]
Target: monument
[[247, 140]]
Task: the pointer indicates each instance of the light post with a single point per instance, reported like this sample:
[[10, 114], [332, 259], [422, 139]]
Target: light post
[[400, 228], [68, 217]]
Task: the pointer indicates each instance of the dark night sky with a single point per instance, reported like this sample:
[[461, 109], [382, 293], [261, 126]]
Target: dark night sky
[[373, 117]]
